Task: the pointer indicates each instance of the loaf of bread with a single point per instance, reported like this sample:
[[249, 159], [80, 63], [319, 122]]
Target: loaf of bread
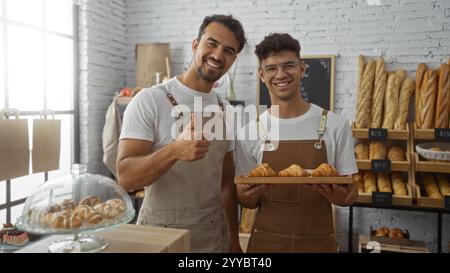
[[263, 170], [384, 182], [443, 98], [382, 232], [359, 181], [443, 184], [398, 184], [396, 153], [406, 91], [396, 233], [361, 151], [391, 100], [370, 184], [377, 150], [430, 187], [420, 75], [427, 100], [378, 94], [365, 96], [324, 169]]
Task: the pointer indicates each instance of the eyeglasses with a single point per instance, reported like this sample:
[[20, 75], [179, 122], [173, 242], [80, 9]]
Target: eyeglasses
[[288, 67]]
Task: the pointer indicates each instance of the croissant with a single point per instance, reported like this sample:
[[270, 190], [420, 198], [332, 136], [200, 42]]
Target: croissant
[[107, 210], [398, 185], [324, 169], [382, 232], [293, 170], [68, 204], [90, 201], [65, 220], [117, 204], [87, 214], [262, 171]]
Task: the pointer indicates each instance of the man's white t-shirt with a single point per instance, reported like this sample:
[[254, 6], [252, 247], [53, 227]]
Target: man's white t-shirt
[[149, 114], [338, 138]]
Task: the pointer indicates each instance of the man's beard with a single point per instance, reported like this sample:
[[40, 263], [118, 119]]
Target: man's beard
[[209, 77]]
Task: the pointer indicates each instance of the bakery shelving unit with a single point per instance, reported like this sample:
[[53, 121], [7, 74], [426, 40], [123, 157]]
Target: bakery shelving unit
[[393, 137]]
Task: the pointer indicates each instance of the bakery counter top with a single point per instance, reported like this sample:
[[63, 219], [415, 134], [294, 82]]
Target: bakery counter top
[[128, 238]]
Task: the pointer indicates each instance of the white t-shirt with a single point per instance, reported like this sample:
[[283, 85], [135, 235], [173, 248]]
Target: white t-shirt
[[338, 138], [149, 114]]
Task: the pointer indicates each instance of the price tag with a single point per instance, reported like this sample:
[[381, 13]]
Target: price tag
[[381, 166], [378, 134], [382, 198], [447, 202], [442, 134]]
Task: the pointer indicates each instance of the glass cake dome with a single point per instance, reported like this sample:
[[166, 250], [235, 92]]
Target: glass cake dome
[[76, 204]]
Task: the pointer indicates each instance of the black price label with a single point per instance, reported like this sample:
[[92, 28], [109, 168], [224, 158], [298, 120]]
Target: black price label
[[378, 134], [442, 134], [447, 202], [382, 198], [381, 166]]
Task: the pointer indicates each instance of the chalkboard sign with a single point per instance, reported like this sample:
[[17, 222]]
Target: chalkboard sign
[[317, 86]]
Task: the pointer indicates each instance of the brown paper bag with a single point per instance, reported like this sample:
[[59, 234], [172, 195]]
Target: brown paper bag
[[14, 147], [46, 145], [151, 59]]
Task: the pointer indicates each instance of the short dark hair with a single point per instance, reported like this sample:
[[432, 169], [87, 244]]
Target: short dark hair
[[229, 22], [277, 42]]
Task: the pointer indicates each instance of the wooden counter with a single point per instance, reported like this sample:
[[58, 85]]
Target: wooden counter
[[128, 238]]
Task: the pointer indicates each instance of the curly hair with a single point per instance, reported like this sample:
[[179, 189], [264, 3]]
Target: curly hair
[[229, 22], [277, 42]]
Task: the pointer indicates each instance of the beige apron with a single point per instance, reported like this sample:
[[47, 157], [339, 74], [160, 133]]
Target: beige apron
[[184, 198], [292, 218]]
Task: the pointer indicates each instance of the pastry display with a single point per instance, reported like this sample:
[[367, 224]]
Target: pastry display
[[377, 150], [263, 170], [396, 153], [10, 235], [324, 169], [293, 170], [361, 151]]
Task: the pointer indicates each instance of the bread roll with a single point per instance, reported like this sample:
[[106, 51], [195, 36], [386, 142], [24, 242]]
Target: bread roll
[[90, 201], [420, 74], [370, 184], [443, 98], [107, 210], [120, 205], [362, 151], [378, 94], [365, 96], [406, 91], [396, 153], [427, 100], [430, 187], [382, 232], [443, 184], [391, 100], [396, 233], [398, 184], [65, 220], [263, 170], [324, 169], [377, 150], [384, 182]]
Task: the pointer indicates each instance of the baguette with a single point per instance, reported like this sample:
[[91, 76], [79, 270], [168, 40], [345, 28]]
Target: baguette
[[406, 92], [443, 97], [401, 74], [378, 94], [428, 99], [420, 73], [365, 96], [391, 101]]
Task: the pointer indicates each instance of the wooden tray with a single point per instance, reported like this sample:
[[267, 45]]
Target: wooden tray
[[392, 134], [295, 180], [430, 166]]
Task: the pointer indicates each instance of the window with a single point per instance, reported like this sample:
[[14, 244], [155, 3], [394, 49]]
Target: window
[[37, 44]]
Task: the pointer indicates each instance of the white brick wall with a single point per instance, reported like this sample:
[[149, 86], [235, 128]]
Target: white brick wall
[[405, 32]]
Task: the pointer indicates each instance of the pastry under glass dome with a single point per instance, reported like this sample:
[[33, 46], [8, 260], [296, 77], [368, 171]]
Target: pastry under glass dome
[[76, 204]]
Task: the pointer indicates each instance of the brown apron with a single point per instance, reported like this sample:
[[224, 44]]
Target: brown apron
[[292, 218]]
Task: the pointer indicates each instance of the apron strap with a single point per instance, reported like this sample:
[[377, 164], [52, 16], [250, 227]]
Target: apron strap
[[321, 131]]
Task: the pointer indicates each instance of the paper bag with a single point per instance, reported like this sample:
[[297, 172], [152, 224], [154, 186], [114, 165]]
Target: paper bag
[[46, 145], [14, 148], [151, 59]]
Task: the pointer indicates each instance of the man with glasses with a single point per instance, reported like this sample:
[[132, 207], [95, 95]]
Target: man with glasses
[[293, 218]]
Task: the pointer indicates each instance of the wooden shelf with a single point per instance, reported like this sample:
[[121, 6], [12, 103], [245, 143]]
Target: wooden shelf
[[398, 166], [426, 134], [392, 134], [430, 166], [397, 200], [428, 202]]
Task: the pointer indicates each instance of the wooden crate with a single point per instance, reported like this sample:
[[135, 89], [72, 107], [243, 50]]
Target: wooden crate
[[413, 247], [424, 134], [428, 202], [392, 134], [396, 200], [422, 165]]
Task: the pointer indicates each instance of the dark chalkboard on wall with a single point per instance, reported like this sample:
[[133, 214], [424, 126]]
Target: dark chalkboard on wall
[[317, 85]]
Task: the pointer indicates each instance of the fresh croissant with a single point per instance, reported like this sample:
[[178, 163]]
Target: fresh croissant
[[263, 170], [293, 170], [324, 169], [64, 220], [88, 214], [107, 210], [117, 204]]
